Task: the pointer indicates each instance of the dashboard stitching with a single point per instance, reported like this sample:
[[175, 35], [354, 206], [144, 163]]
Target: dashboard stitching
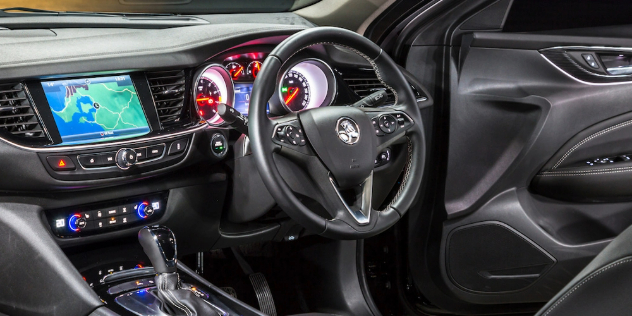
[[184, 45]]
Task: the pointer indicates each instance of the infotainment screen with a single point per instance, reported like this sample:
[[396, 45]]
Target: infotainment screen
[[96, 109]]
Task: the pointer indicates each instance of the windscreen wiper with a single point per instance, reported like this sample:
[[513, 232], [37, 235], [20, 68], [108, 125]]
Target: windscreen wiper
[[19, 11]]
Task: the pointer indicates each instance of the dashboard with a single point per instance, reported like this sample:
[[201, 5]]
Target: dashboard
[[128, 135], [306, 83]]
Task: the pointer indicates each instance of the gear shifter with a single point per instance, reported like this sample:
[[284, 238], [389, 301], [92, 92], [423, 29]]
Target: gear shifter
[[159, 243]]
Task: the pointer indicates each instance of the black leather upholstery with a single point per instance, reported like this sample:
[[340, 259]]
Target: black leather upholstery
[[180, 301], [602, 288]]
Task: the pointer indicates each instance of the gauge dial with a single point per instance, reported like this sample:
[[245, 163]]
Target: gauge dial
[[207, 98], [237, 71], [213, 86], [253, 68], [295, 91]]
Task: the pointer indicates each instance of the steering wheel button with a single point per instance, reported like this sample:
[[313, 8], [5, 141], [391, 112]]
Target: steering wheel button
[[388, 123]]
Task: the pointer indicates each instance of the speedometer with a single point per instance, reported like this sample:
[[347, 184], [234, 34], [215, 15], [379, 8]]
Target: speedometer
[[212, 87], [307, 84], [295, 91]]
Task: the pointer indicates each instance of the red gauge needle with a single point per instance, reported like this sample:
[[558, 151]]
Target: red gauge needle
[[292, 95], [202, 99], [238, 72]]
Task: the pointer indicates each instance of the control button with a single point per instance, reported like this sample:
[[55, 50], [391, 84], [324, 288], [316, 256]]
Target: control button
[[127, 219], [177, 147], [112, 221], [112, 211], [100, 224], [81, 222], [88, 215], [155, 151], [218, 145], [60, 163], [141, 153], [590, 60], [280, 134], [125, 158], [387, 123], [126, 209], [376, 126], [89, 161], [107, 159]]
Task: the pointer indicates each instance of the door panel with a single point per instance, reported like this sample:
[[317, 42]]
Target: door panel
[[520, 200]]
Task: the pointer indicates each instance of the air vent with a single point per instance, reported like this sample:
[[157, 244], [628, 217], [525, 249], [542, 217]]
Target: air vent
[[168, 89], [365, 86], [16, 113]]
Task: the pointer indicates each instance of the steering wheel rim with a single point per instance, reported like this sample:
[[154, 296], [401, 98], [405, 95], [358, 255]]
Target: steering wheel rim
[[327, 166]]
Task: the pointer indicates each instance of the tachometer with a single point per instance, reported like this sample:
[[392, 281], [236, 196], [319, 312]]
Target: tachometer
[[212, 87], [295, 91], [253, 68], [208, 97]]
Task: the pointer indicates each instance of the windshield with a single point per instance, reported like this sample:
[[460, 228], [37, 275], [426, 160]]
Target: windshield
[[160, 6]]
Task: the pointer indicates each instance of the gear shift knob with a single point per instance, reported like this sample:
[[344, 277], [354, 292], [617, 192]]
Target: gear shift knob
[[159, 243]]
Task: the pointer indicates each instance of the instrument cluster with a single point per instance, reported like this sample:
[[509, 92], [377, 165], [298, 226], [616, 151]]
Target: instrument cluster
[[303, 84]]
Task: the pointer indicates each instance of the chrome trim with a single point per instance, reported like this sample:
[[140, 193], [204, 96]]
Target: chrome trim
[[333, 76], [146, 271], [34, 107], [344, 131], [197, 80], [361, 216], [586, 82], [103, 145], [595, 49], [620, 71], [169, 262]]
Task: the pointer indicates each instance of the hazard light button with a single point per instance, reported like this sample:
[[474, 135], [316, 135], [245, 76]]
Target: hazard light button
[[60, 163]]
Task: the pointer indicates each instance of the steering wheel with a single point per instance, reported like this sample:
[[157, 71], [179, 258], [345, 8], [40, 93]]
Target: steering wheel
[[329, 153]]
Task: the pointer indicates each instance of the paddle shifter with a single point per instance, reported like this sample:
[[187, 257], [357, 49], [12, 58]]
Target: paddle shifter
[[159, 243]]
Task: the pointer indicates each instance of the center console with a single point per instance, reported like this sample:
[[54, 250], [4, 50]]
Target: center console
[[147, 278]]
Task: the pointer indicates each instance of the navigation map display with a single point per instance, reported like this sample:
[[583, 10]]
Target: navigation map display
[[96, 109]]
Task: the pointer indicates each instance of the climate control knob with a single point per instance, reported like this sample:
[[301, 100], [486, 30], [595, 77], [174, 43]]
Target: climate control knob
[[145, 210], [125, 158], [76, 222]]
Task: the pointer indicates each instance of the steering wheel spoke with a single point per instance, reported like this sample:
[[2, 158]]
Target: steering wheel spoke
[[360, 207]]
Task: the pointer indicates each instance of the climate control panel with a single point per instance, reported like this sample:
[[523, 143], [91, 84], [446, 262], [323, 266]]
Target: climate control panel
[[93, 219]]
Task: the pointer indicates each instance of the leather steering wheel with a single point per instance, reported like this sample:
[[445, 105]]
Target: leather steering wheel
[[334, 167]]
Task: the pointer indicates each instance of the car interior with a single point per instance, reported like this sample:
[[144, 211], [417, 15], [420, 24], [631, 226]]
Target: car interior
[[315, 157]]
